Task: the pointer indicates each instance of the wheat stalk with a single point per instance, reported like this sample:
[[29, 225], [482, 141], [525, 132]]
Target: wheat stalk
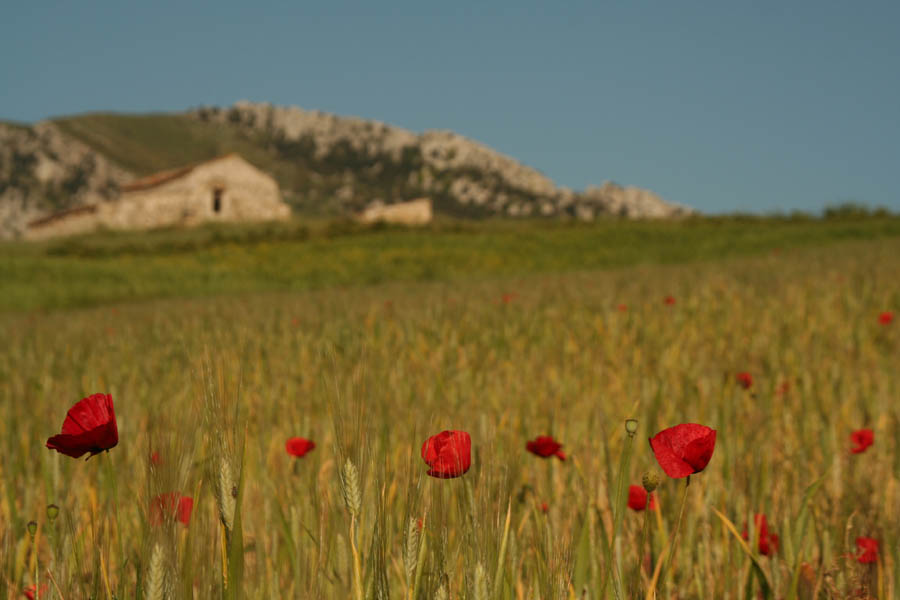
[[353, 500], [482, 585], [156, 585], [225, 495], [411, 552], [350, 488]]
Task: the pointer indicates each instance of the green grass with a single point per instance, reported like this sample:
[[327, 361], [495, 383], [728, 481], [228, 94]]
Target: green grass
[[369, 372], [145, 144], [301, 255]]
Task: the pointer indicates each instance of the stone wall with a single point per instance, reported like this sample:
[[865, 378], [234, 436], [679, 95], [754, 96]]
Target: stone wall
[[414, 212], [80, 220]]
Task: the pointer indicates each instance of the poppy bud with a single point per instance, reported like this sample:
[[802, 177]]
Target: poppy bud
[[631, 426], [650, 480], [32, 528], [52, 511], [638, 498]]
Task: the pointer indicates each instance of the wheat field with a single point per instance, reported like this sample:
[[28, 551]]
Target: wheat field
[[207, 391]]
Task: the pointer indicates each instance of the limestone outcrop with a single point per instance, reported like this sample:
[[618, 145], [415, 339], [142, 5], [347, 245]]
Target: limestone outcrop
[[459, 172]]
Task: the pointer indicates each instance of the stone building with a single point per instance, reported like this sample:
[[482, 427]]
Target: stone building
[[413, 212], [227, 188]]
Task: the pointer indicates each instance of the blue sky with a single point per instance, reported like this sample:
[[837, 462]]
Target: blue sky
[[724, 106]]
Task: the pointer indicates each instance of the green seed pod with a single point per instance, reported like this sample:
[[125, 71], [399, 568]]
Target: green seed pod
[[52, 512], [650, 480], [631, 426], [32, 528]]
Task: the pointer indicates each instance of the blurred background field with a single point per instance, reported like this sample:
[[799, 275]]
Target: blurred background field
[[314, 254], [368, 341]]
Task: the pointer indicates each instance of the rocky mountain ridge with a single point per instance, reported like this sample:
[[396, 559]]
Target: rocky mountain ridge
[[43, 171], [325, 164]]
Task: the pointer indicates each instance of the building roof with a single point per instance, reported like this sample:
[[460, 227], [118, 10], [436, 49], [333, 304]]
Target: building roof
[[87, 209], [162, 177]]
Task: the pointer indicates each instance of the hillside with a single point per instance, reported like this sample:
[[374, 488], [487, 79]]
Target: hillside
[[325, 164]]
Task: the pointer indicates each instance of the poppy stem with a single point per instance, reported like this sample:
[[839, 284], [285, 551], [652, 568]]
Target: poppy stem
[[115, 493], [673, 543], [644, 533], [34, 554], [618, 503]]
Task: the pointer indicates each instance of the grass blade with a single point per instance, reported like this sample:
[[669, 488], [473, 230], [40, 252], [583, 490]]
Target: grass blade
[[235, 589], [760, 572]]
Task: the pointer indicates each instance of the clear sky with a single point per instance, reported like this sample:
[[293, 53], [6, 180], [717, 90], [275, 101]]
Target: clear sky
[[724, 106]]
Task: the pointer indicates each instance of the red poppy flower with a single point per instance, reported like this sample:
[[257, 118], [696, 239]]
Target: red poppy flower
[[448, 454], [31, 592], [299, 447], [886, 317], [622, 308], [545, 508], [745, 380], [508, 297], [669, 300], [868, 550], [545, 447], [768, 541], [637, 498], [90, 426], [863, 438], [783, 388], [171, 505], [684, 449], [154, 458]]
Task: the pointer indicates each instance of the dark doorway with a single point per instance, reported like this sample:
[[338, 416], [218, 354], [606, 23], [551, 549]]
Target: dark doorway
[[217, 200]]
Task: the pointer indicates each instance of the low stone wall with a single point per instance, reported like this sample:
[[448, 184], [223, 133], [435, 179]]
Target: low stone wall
[[73, 222], [414, 212]]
